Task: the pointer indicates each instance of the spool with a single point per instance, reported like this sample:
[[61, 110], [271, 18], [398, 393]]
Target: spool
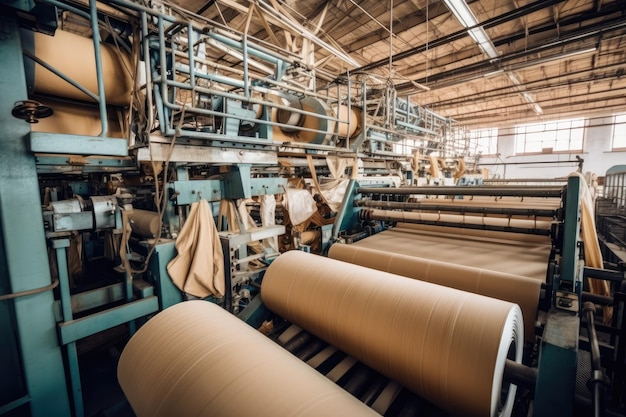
[[195, 359], [344, 114], [73, 55], [476, 220], [145, 223], [292, 119], [518, 254], [296, 120], [448, 346]]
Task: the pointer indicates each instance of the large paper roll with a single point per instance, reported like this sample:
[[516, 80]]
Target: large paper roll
[[73, 55], [478, 233], [350, 125], [145, 223], [520, 257], [517, 289], [72, 119], [195, 359], [446, 345]]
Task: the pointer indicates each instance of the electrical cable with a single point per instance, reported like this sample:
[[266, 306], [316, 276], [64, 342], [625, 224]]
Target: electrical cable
[[34, 291]]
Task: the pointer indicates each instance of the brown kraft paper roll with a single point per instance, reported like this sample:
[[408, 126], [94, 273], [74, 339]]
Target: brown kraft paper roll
[[446, 345]]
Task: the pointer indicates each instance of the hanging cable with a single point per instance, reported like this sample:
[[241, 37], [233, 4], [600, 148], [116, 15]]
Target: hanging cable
[[34, 291]]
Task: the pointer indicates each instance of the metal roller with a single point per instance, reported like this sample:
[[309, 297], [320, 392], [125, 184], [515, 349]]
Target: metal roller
[[512, 191], [509, 211], [535, 227]]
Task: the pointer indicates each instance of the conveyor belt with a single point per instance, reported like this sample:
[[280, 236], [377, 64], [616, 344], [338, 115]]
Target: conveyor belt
[[378, 392]]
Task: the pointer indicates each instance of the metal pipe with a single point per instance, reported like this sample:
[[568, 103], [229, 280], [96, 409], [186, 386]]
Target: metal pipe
[[148, 69], [495, 21], [597, 383], [343, 209], [511, 191], [163, 77], [102, 104], [569, 161], [541, 180], [458, 209], [246, 81], [605, 274], [520, 375], [242, 45], [191, 43], [59, 74], [597, 299], [541, 228]]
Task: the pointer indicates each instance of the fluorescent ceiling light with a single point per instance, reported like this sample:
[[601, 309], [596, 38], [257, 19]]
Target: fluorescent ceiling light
[[461, 10], [493, 73], [537, 109], [479, 35], [488, 49], [464, 15]]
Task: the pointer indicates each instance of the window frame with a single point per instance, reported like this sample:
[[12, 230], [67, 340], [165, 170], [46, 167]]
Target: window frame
[[491, 135], [535, 133], [619, 120]]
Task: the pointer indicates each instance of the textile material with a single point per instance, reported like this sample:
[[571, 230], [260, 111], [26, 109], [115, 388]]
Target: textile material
[[198, 269], [446, 345], [196, 359]]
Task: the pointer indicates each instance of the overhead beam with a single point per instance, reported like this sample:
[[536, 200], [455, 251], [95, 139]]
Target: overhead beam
[[599, 74], [487, 65], [495, 21]]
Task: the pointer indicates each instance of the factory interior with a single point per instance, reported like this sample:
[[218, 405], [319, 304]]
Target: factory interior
[[229, 208]]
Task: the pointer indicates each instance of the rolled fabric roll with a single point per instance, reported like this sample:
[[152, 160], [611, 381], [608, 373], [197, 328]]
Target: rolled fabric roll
[[145, 223], [479, 233], [73, 55], [401, 216], [344, 114], [517, 289], [490, 251], [195, 359], [446, 345]]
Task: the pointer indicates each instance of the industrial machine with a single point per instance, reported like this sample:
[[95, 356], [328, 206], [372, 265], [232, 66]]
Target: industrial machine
[[611, 207], [346, 316], [139, 137]]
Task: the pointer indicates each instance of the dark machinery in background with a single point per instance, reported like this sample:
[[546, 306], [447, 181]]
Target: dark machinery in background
[[611, 215]]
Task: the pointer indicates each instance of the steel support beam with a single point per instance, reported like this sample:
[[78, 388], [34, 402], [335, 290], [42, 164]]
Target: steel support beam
[[24, 244]]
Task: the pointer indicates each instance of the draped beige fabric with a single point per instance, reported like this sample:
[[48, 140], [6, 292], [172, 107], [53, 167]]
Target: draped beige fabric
[[198, 269]]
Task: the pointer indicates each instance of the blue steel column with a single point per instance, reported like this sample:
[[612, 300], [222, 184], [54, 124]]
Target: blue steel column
[[60, 247], [24, 242], [558, 355]]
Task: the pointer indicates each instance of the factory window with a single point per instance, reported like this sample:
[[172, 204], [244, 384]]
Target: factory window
[[558, 136], [619, 132], [484, 141]]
